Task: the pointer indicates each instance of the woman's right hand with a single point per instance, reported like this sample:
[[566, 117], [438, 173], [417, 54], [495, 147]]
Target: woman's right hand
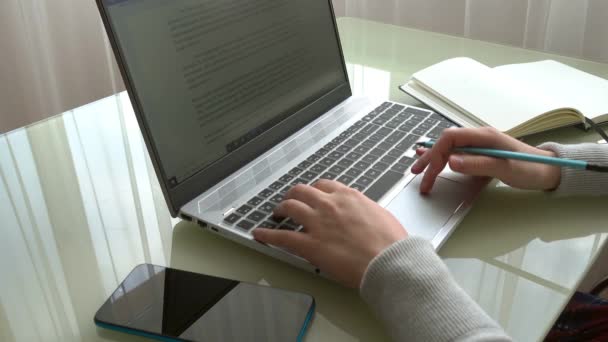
[[518, 174]]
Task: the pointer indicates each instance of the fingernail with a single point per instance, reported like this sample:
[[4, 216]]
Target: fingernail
[[457, 161]]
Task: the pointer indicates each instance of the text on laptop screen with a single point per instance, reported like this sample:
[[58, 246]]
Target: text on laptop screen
[[211, 75]]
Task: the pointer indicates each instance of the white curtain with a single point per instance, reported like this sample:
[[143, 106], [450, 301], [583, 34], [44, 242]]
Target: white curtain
[[54, 55], [575, 28]]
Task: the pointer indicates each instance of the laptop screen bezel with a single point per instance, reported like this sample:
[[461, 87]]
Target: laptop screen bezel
[[178, 196]]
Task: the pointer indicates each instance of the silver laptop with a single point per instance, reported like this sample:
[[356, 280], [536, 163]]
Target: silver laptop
[[240, 100]]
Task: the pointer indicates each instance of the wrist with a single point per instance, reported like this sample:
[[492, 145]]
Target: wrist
[[551, 174]]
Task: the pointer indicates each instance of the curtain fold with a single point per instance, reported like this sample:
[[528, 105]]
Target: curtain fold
[[55, 55]]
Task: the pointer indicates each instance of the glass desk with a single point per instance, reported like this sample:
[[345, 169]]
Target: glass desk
[[80, 206]]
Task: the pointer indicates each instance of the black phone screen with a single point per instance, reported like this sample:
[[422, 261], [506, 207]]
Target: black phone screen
[[163, 302]]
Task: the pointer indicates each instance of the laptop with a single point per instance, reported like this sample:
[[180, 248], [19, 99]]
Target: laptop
[[240, 100]]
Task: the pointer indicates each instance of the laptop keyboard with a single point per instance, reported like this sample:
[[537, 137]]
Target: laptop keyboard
[[369, 156]]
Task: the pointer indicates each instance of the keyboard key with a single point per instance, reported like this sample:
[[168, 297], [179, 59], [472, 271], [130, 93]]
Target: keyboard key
[[322, 151], [379, 121], [232, 218], [267, 207], [328, 175], [345, 162], [337, 169], [362, 165], [388, 159], [417, 111], [353, 172], [398, 107], [338, 140], [385, 145], [377, 137], [365, 181], [384, 131], [245, 225], [352, 129], [346, 180], [359, 124], [435, 133], [407, 161], [353, 156], [393, 139], [318, 168], [383, 185], [313, 158], [368, 144], [286, 178], [289, 226], [295, 171], [419, 131], [358, 187], [330, 146], [406, 143], [244, 210], [256, 216], [309, 175], [372, 173], [426, 126], [266, 193], [276, 186], [278, 198], [255, 201], [362, 149], [327, 161], [285, 190], [305, 164], [299, 181], [380, 166], [369, 129], [357, 138], [276, 219], [344, 148], [268, 225], [401, 168], [377, 152], [395, 153], [393, 124], [352, 142], [336, 155], [370, 158], [406, 128]]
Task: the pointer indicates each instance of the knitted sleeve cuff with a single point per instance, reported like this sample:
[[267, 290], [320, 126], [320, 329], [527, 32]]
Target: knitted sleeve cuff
[[581, 182]]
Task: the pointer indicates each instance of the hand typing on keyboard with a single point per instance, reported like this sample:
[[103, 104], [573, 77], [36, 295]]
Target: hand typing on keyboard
[[343, 229]]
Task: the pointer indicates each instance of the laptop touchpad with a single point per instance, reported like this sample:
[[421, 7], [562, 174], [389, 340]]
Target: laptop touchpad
[[425, 215]]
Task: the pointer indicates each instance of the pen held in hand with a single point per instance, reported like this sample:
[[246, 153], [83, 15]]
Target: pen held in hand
[[561, 162]]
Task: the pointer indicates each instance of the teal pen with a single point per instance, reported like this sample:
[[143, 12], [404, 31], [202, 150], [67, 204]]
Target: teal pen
[[571, 163]]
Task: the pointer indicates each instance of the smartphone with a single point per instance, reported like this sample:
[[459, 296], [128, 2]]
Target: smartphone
[[171, 305]]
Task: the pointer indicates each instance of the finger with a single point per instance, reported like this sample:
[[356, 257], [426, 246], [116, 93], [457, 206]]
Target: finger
[[438, 156], [305, 194], [422, 161], [328, 186], [459, 137], [296, 242], [298, 211], [480, 166]]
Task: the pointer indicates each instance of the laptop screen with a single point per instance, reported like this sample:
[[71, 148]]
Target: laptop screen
[[212, 75]]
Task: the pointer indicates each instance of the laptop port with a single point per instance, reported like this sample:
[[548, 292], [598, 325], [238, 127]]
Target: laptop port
[[185, 217]]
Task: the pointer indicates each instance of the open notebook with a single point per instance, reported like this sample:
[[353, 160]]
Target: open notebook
[[518, 99]]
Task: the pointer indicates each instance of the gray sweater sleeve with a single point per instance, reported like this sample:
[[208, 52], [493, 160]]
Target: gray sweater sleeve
[[411, 291], [581, 182]]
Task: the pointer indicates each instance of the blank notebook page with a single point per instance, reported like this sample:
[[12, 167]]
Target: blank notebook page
[[483, 92], [571, 87]]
